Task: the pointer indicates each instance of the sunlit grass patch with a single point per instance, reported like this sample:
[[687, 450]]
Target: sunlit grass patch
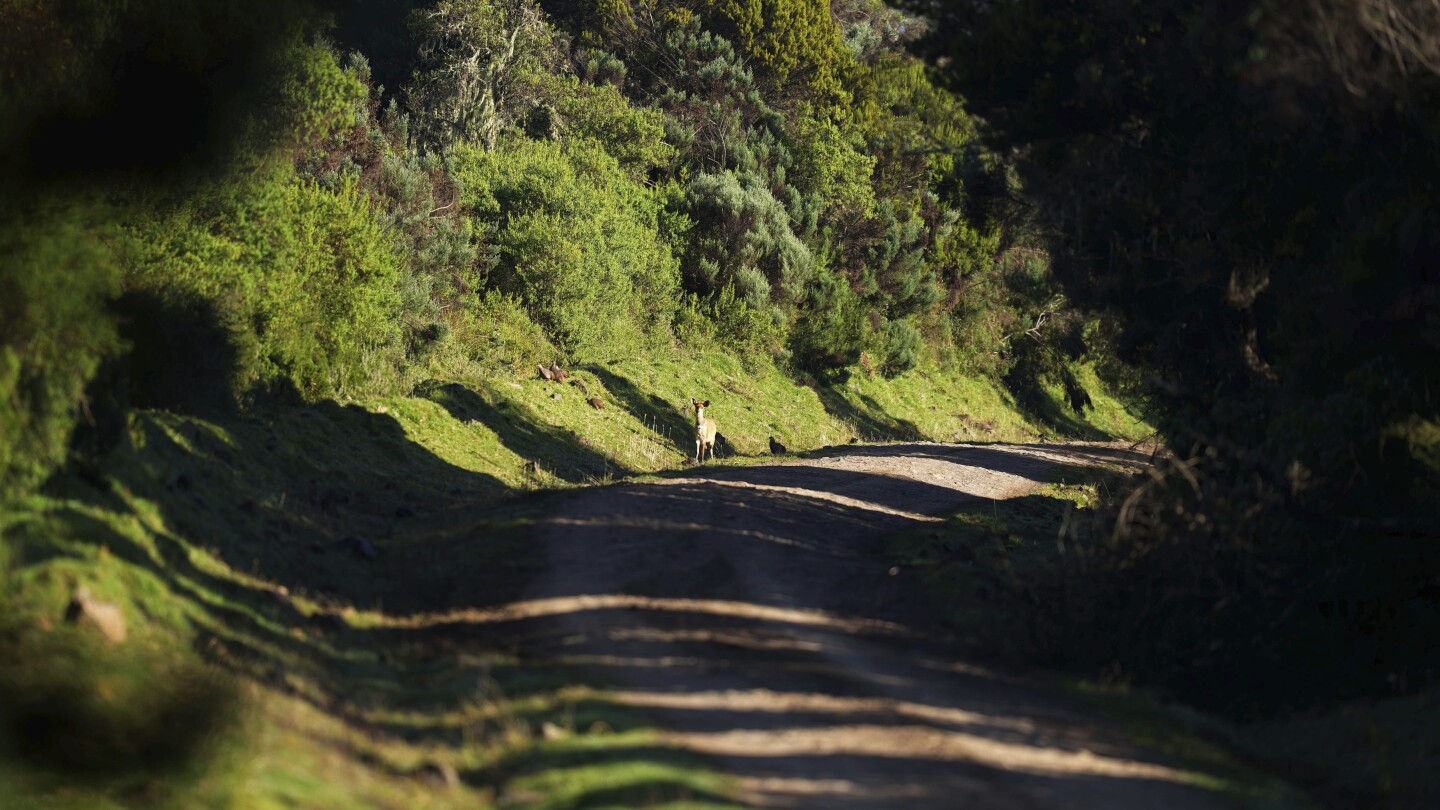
[[618, 770]]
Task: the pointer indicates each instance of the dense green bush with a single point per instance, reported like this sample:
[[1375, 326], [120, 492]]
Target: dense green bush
[[831, 332], [305, 277], [56, 274], [789, 40], [902, 347], [578, 241], [573, 109], [494, 331], [834, 164], [743, 238], [754, 334]]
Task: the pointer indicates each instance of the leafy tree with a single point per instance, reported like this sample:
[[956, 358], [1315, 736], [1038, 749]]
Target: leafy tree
[[743, 237], [835, 166], [572, 108], [831, 332], [710, 99], [793, 43], [415, 200], [790, 40], [476, 59], [902, 347]]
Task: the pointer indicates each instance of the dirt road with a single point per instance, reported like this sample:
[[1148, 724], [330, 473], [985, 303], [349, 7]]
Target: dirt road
[[755, 614]]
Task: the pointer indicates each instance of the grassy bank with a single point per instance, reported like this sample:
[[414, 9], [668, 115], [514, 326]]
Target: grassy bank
[[498, 426], [280, 572]]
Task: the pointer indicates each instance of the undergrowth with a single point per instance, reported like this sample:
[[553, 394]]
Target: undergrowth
[[1027, 581]]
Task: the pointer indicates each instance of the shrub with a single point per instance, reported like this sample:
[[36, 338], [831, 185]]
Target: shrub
[[578, 241], [55, 277], [902, 347], [743, 238], [305, 277], [750, 332], [831, 331], [493, 331], [634, 136]]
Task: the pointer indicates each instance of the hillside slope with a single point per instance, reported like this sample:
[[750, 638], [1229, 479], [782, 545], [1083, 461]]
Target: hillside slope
[[287, 546]]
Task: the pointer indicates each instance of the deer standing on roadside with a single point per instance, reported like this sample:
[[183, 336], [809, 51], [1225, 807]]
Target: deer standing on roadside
[[704, 431]]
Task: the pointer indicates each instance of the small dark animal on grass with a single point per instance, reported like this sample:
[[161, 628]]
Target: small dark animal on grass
[[557, 372], [545, 372], [597, 403], [776, 448], [579, 383]]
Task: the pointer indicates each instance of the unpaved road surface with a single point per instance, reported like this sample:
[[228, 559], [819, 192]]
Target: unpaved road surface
[[754, 613]]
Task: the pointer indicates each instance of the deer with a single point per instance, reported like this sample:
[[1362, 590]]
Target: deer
[[704, 431]]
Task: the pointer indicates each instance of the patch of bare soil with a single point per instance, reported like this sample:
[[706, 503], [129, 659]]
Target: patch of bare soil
[[754, 613]]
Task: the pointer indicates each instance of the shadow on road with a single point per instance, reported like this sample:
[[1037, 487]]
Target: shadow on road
[[756, 615]]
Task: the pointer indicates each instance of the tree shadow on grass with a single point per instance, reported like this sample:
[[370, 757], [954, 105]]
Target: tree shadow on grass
[[272, 531], [359, 675], [1037, 402], [870, 421], [519, 429], [667, 419]]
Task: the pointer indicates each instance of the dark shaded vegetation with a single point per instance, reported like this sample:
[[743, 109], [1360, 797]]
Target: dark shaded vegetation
[[1031, 582], [1245, 192], [178, 357], [200, 79], [562, 453]]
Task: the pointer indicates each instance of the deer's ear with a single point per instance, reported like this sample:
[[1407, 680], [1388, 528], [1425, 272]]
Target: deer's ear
[[705, 404], [693, 402]]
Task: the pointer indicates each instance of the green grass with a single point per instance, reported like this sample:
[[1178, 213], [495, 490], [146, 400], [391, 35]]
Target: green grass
[[273, 661], [946, 406], [516, 430], [223, 543]]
